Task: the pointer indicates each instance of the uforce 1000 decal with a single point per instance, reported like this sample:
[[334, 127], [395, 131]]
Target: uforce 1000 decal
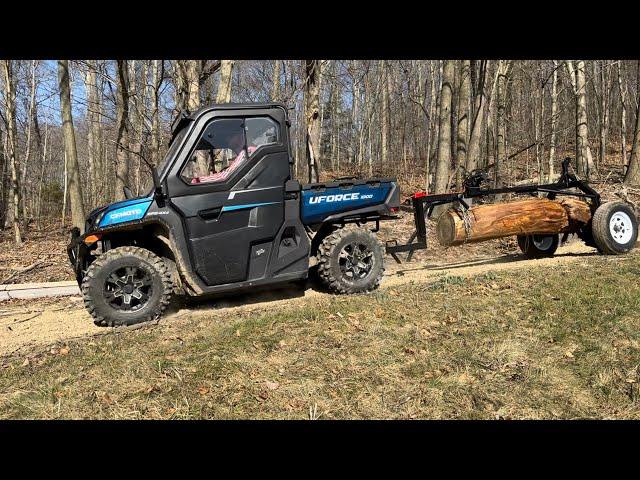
[[340, 197], [318, 205]]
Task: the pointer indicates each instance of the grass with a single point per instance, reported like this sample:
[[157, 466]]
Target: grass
[[555, 342]]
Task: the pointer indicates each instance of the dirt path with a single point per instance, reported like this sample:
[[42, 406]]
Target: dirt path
[[26, 324]]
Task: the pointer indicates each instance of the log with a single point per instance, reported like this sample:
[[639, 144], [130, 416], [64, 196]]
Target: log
[[525, 217]]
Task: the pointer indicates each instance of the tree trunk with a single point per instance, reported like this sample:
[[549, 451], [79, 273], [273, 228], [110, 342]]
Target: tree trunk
[[275, 84], [463, 119], [622, 88], [633, 172], [224, 87], [504, 68], [384, 147], [93, 134], [312, 117], [73, 169], [122, 126], [31, 125], [13, 207], [443, 163], [524, 217], [158, 70], [554, 121], [584, 159], [477, 119]]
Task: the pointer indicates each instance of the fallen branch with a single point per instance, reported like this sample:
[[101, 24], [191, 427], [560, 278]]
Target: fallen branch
[[20, 272], [28, 318]]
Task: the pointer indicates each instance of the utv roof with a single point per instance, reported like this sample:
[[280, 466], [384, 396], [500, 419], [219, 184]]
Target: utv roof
[[182, 116], [236, 106]]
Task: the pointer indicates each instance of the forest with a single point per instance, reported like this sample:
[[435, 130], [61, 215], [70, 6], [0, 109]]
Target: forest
[[74, 133]]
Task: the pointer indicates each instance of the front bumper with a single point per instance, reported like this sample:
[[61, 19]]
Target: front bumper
[[77, 251]]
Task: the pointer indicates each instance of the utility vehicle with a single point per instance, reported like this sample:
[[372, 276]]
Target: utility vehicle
[[226, 215]]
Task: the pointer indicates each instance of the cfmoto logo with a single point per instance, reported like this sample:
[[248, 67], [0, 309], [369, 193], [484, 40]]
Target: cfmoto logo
[[340, 197], [126, 213]]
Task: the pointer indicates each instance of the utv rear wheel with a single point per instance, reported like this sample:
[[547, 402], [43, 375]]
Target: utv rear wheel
[[350, 261], [538, 246], [615, 228], [125, 286]]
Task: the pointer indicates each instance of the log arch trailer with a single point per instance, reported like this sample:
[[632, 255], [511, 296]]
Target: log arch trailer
[[225, 215], [610, 227]]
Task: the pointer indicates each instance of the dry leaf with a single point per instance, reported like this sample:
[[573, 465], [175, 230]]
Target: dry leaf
[[25, 363], [203, 390], [64, 351], [272, 385], [171, 411]]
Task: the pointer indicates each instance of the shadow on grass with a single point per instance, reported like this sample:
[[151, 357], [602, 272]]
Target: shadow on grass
[[506, 259], [251, 296]]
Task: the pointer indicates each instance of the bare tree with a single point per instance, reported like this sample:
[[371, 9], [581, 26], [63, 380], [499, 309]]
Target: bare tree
[[632, 176], [584, 159], [73, 170], [479, 72], [554, 121], [622, 88], [275, 85], [312, 117], [224, 87], [122, 125], [504, 69], [443, 163], [94, 157], [463, 118], [13, 206]]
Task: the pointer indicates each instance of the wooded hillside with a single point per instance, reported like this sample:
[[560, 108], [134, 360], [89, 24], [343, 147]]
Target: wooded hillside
[[74, 133]]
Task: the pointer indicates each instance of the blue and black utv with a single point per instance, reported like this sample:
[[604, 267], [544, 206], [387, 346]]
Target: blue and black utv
[[225, 214]]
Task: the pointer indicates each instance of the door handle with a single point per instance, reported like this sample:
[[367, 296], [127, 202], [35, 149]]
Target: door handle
[[210, 213]]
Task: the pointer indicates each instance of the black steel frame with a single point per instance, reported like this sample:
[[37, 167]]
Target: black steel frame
[[423, 204]]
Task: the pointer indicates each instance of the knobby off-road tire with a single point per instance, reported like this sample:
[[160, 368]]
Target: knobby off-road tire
[[615, 228], [124, 274], [538, 246], [350, 260]]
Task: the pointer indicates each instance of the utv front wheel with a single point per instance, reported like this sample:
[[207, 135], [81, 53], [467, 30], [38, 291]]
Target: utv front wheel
[[125, 286], [350, 261], [538, 246]]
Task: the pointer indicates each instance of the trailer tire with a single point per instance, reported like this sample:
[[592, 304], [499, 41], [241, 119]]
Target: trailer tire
[[125, 286], [538, 246], [337, 270], [615, 228]]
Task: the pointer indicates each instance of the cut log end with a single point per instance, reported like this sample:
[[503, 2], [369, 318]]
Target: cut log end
[[539, 216]]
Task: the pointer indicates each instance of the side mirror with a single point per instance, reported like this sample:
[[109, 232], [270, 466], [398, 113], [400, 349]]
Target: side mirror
[[157, 186]]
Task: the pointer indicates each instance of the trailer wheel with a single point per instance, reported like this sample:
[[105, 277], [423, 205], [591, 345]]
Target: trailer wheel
[[538, 246], [615, 228], [125, 286], [350, 261]]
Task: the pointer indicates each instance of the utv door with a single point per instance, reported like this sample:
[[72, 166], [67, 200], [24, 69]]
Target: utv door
[[230, 190]]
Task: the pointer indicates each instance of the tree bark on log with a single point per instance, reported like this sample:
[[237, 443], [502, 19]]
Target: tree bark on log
[[526, 217]]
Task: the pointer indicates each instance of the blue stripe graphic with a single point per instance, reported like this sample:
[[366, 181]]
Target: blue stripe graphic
[[247, 205]]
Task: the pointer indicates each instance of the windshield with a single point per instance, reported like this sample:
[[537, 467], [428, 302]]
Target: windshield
[[176, 141]]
